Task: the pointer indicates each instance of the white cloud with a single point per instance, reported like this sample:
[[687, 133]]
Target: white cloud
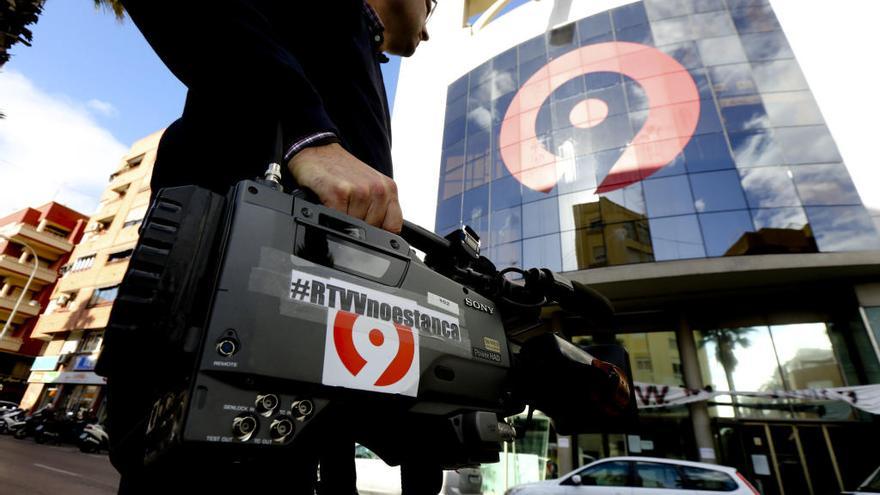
[[104, 108], [51, 149]]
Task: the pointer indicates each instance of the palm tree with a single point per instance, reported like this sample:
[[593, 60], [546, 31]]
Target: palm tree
[[17, 15], [726, 341]]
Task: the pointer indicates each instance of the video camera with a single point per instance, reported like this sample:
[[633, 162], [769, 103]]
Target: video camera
[[273, 316]]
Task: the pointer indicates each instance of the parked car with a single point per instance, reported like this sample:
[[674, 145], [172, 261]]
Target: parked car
[[869, 486], [643, 476], [374, 477]]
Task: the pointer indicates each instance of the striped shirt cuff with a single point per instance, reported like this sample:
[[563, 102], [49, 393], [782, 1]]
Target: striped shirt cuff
[[318, 138]]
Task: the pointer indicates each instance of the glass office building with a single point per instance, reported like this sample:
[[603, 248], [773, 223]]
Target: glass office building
[[672, 154], [759, 173]]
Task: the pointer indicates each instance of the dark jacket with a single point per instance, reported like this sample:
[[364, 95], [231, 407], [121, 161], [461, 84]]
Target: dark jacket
[[249, 64]]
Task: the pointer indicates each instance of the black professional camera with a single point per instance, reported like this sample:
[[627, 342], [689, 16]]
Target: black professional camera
[[273, 316]]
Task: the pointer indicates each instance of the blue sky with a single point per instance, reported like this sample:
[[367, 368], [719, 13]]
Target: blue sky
[[85, 54], [75, 101]]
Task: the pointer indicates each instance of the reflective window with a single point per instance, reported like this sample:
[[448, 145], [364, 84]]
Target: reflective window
[[476, 203], [613, 473], [755, 19], [708, 480], [668, 196], [505, 193], [543, 252], [791, 109], [448, 213], [631, 197], [455, 109], [458, 89], [580, 210], [662, 9], [454, 132], [674, 30], [656, 475], [676, 238], [732, 80], [806, 357], [825, 185], [593, 26], [779, 218], [843, 228], [781, 75], [754, 149], [717, 191], [629, 15], [722, 231], [578, 174], [811, 144], [505, 61], [540, 218], [743, 113], [686, 53], [532, 49], [480, 75], [675, 167], [613, 132], [506, 225], [506, 255], [640, 33], [767, 187], [653, 356], [720, 51], [770, 45], [707, 152], [708, 5], [712, 24]]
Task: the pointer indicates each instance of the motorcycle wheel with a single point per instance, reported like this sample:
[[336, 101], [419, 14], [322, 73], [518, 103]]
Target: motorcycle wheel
[[88, 447], [19, 434]]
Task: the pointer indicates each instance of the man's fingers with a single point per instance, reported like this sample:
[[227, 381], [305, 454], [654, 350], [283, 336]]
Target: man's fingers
[[359, 201], [393, 218]]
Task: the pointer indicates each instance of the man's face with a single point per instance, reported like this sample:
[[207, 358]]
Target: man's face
[[405, 24]]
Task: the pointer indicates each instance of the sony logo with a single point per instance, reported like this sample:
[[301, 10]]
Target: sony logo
[[479, 306]]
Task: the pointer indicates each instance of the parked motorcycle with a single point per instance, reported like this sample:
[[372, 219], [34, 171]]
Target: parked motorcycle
[[27, 426], [9, 418], [63, 427], [94, 438]]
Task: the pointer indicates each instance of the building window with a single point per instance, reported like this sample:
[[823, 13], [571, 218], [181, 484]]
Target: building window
[[119, 256], [56, 231], [91, 342], [104, 295], [82, 263], [135, 216]]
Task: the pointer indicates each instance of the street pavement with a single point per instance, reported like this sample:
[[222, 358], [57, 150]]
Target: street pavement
[[27, 468]]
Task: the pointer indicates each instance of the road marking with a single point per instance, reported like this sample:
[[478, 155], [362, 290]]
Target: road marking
[[58, 470]]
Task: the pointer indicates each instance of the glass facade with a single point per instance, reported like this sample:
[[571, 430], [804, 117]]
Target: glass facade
[[655, 131]]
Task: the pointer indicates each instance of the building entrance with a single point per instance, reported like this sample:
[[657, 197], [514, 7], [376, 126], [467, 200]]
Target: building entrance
[[799, 458]]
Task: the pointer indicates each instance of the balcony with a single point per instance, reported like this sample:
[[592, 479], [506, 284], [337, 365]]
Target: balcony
[[45, 242], [76, 319], [10, 266], [26, 309], [10, 344]]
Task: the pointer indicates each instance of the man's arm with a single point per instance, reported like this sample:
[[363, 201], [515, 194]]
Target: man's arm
[[228, 48]]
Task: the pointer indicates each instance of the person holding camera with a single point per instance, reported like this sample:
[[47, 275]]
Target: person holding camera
[[258, 72]]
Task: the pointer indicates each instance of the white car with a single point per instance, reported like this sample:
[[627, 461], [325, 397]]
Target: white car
[[642, 476], [374, 477]]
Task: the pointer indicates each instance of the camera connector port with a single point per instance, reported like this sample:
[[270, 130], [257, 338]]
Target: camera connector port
[[281, 429], [227, 346], [302, 409], [266, 404], [244, 426]]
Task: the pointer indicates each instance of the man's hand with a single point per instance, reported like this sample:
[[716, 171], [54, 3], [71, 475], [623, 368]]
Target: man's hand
[[344, 183]]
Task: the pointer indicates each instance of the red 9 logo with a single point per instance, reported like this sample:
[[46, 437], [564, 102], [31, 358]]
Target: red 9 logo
[[673, 102], [376, 352]]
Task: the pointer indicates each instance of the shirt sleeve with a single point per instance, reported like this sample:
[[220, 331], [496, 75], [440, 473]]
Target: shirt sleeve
[[228, 48]]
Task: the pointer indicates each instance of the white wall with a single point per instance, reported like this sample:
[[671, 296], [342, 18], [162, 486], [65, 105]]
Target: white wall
[[833, 46]]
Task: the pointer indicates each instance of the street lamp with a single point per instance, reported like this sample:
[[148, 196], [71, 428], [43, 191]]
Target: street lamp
[[26, 286]]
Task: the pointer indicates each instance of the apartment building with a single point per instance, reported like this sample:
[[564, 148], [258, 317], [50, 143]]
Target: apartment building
[[34, 244], [73, 323]]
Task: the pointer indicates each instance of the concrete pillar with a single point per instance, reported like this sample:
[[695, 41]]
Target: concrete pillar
[[5, 289], [42, 225], [690, 365]]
